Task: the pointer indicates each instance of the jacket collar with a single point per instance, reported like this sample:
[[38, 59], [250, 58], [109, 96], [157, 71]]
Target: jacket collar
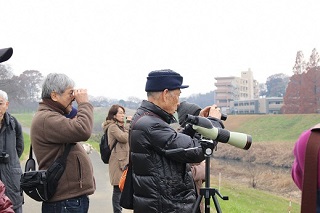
[[151, 107], [6, 118], [7, 121]]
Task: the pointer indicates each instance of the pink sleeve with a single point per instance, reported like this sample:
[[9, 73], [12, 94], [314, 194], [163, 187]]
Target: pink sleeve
[[5, 203], [299, 158]]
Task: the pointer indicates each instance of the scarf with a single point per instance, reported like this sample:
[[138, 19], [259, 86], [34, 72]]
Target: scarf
[[56, 106]]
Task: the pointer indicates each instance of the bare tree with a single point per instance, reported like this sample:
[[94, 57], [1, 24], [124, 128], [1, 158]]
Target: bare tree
[[314, 59], [300, 65]]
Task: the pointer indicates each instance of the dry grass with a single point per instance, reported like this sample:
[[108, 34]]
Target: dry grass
[[265, 166]]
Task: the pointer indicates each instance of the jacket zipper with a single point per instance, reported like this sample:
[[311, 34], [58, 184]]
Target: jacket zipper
[[80, 173]]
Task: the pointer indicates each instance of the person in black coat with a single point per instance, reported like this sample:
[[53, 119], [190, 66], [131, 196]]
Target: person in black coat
[[11, 148], [162, 181]]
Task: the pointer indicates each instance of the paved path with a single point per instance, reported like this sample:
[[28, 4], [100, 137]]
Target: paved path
[[100, 201]]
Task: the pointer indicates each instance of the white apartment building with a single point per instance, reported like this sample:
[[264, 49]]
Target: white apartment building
[[235, 88]]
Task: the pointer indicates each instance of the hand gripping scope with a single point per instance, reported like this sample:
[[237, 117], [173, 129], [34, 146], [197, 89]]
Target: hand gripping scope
[[204, 126]]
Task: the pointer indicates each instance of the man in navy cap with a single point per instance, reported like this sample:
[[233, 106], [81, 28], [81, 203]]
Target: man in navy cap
[[162, 181]]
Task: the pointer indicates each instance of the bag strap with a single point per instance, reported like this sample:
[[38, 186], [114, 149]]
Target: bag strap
[[66, 152], [63, 157], [310, 177], [30, 152], [114, 145]]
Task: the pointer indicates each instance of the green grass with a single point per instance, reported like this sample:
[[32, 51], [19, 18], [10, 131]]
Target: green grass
[[249, 200], [272, 127], [24, 118], [26, 150]]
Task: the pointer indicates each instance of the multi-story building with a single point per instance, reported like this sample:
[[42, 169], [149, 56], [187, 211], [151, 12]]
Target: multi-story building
[[235, 88], [269, 105]]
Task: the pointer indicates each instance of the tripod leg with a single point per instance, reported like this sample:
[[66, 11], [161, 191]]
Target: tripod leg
[[207, 204], [216, 203], [197, 204]]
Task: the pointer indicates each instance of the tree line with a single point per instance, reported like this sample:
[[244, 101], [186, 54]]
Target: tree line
[[301, 91]]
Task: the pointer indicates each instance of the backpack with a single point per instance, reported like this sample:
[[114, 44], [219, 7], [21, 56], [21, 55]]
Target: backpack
[[105, 150]]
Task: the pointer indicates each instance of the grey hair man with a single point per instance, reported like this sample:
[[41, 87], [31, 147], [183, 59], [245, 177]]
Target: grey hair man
[[52, 130]]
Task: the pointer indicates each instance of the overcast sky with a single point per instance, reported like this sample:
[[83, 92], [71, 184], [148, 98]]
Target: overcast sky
[[110, 46]]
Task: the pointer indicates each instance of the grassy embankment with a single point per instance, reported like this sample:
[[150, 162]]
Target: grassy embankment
[[260, 191]]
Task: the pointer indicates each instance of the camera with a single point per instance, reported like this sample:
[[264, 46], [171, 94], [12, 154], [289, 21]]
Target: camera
[[4, 157]]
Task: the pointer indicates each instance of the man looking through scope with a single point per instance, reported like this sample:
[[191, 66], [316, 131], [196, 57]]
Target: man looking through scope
[[163, 182]]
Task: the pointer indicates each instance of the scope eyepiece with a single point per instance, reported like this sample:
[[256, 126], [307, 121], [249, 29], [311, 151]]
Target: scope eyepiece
[[224, 116]]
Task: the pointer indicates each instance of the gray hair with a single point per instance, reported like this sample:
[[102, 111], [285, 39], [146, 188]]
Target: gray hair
[[55, 82], [4, 95], [155, 95]]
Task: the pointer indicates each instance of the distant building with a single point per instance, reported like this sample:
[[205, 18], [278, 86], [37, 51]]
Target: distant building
[[235, 89], [270, 105]]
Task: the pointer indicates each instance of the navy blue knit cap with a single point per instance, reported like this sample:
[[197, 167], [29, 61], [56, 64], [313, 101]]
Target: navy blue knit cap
[[160, 80]]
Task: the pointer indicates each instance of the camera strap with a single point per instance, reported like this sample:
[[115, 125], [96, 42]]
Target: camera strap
[[310, 177]]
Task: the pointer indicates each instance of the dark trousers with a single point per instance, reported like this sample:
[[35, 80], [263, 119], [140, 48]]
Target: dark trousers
[[74, 205], [116, 200]]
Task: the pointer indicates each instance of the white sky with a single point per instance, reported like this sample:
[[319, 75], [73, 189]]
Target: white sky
[[110, 46]]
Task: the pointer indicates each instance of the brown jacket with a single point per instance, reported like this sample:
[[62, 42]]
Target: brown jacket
[[198, 173], [50, 132], [120, 154]]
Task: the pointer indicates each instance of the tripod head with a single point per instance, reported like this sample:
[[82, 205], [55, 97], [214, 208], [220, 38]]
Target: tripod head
[[208, 146]]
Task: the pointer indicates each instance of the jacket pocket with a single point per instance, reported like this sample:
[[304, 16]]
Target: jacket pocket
[[123, 159]]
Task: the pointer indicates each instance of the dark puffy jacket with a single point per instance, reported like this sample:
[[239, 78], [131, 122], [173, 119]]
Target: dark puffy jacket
[[162, 183]]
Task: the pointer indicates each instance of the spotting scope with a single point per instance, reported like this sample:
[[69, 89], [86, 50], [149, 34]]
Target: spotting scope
[[204, 127]]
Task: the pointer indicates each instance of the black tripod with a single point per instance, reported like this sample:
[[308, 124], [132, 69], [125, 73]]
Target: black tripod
[[207, 192]]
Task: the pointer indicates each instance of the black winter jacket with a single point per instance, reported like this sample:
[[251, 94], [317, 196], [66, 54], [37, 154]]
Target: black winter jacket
[[161, 182]]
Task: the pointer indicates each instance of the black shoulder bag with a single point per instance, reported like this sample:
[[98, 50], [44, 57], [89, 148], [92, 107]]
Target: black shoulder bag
[[41, 185]]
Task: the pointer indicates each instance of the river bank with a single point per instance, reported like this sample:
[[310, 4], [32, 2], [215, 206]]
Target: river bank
[[266, 166]]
